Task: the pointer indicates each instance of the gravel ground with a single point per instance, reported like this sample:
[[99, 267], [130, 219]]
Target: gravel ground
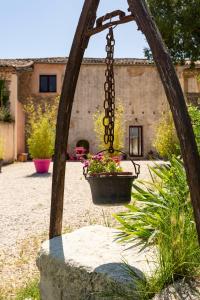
[[25, 201], [24, 214]]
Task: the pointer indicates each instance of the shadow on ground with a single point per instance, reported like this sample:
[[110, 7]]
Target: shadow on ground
[[42, 175]]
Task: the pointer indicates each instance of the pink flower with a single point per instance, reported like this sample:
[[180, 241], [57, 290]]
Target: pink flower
[[116, 159], [98, 157], [86, 163]]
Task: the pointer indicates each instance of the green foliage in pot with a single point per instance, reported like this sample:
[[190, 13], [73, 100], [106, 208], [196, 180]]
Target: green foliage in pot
[[161, 214], [35, 112], [41, 140], [40, 128]]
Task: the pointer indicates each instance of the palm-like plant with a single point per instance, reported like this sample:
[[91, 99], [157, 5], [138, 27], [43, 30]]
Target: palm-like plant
[[161, 214]]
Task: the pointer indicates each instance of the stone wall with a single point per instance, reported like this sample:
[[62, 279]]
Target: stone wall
[[24, 86], [138, 87], [14, 139], [8, 138], [192, 86]]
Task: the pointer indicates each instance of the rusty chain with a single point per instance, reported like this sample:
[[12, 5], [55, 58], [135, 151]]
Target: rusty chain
[[109, 87]]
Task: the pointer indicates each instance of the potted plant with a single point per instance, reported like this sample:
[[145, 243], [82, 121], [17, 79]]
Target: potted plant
[[41, 144], [40, 131], [109, 184], [1, 154]]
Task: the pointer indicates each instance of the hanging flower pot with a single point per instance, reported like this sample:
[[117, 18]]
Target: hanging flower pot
[[109, 184], [111, 189]]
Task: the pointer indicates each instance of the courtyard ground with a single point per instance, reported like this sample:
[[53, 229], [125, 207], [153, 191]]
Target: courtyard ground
[[24, 214]]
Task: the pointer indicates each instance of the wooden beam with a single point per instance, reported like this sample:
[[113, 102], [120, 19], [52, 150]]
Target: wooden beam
[[80, 42], [176, 101]]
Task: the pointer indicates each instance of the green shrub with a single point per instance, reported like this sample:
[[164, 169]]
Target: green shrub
[[4, 94], [5, 115], [34, 112], [40, 128], [161, 214], [118, 132], [1, 149], [166, 141], [195, 117], [41, 140]]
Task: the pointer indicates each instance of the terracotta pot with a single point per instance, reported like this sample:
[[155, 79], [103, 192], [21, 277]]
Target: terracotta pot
[[42, 165], [22, 157], [111, 189]]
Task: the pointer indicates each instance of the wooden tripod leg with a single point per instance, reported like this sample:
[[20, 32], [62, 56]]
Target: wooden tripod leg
[[80, 42], [176, 101]]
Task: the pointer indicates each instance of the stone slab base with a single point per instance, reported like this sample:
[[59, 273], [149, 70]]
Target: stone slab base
[[88, 264]]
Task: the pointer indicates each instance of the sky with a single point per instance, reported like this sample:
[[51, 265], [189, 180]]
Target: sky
[[45, 28]]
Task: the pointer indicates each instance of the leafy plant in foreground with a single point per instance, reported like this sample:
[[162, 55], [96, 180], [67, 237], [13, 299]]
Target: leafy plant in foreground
[[161, 215]]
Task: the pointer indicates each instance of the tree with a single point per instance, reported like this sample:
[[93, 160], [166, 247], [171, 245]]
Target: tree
[[179, 24]]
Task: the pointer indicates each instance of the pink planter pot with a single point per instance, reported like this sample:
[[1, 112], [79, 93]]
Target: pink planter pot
[[42, 165]]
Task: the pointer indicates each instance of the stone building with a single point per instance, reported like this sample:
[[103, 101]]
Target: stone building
[[138, 87]]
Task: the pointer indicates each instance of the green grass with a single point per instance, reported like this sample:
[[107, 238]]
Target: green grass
[[30, 291]]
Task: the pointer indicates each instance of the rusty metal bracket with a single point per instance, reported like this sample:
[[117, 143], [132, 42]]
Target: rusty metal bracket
[[100, 26], [109, 16]]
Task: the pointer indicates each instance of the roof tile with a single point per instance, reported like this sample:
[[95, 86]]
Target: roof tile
[[23, 63]]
